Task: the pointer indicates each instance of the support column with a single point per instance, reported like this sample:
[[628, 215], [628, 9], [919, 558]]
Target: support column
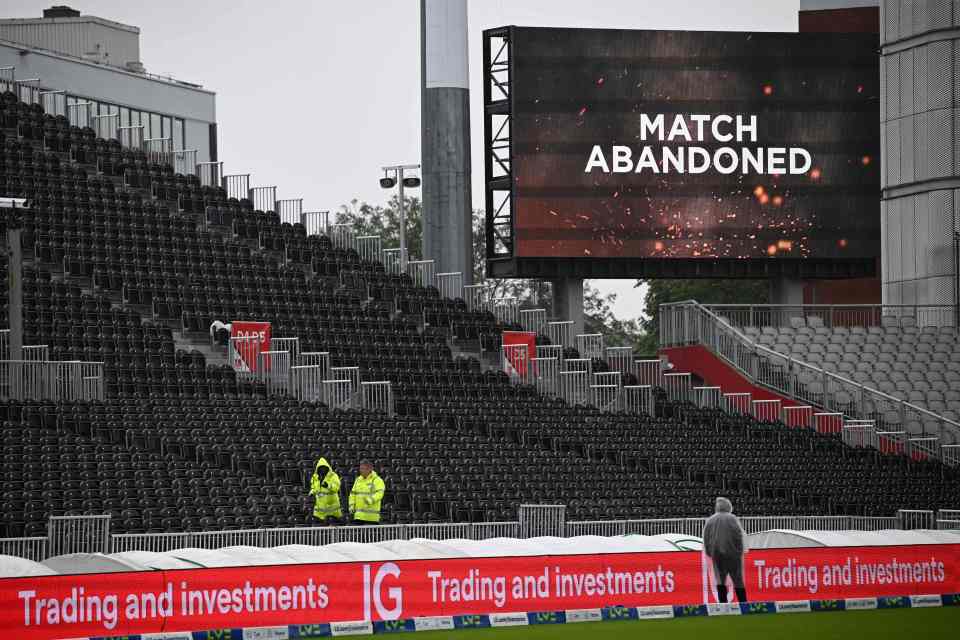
[[568, 302], [445, 137], [15, 293], [786, 291]]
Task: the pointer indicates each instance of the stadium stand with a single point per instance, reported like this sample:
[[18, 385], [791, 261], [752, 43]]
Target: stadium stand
[[894, 357], [129, 263]]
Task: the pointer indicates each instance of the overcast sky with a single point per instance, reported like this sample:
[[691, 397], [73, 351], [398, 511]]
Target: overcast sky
[[315, 96]]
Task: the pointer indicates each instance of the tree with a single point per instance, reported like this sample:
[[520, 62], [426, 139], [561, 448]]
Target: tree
[[598, 317], [384, 221], [531, 294], [703, 291]]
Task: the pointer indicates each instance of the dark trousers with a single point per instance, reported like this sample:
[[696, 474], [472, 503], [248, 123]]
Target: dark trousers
[[732, 567], [361, 523]]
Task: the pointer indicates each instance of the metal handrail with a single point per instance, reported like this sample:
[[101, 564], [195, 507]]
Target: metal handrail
[[878, 310], [758, 350]]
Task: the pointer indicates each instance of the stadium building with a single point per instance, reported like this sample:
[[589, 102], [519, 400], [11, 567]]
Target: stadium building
[[183, 351]]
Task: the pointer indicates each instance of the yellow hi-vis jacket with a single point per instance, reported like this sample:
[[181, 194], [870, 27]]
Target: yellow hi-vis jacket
[[326, 498], [365, 497]]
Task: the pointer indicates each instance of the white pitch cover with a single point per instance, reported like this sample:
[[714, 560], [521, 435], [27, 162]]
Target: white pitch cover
[[583, 615], [445, 54], [436, 623], [793, 606], [508, 620], [266, 633], [930, 600], [359, 628]]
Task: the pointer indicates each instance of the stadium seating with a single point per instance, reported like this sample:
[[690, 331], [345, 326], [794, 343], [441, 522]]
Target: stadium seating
[[129, 263], [918, 365]]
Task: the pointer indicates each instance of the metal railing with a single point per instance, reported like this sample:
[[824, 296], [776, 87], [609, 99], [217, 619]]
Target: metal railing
[[159, 150], [621, 359], [91, 534], [51, 380], [688, 323], [54, 102], [590, 345], [829, 316], [290, 210], [707, 397], [210, 173], [185, 162], [638, 400], [369, 247], [649, 372], [32, 548], [316, 223], [450, 284], [506, 310], [421, 272], [237, 185], [679, 386], [78, 534], [263, 198], [377, 396], [79, 114], [560, 332], [542, 520], [533, 320]]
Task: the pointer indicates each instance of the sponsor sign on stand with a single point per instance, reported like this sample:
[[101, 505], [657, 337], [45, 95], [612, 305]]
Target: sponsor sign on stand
[[461, 592], [255, 340]]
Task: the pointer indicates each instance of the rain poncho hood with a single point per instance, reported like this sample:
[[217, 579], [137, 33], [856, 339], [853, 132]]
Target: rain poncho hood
[[723, 535], [326, 492]]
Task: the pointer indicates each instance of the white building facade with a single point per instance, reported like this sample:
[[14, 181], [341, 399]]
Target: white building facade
[[96, 61]]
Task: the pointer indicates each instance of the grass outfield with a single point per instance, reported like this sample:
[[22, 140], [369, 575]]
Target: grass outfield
[[925, 624]]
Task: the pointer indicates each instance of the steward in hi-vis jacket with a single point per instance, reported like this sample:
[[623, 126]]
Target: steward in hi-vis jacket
[[366, 495], [325, 487]]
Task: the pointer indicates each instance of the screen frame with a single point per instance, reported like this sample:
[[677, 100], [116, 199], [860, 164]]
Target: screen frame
[[501, 205]]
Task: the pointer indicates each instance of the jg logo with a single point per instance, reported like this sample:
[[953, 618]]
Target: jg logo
[[372, 592]]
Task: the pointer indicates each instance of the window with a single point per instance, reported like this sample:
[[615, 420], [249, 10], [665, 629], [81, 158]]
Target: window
[[155, 130], [179, 141], [124, 117]]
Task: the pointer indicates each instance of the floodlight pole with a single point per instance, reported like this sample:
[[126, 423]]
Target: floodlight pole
[[398, 170]]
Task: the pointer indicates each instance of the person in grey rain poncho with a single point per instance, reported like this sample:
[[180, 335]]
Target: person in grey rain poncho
[[725, 542]]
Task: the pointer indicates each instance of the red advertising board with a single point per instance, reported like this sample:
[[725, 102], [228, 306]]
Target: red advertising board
[[254, 339], [40, 608], [516, 359]]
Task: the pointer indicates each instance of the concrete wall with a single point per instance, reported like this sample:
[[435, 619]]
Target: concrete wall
[[920, 145], [195, 105]]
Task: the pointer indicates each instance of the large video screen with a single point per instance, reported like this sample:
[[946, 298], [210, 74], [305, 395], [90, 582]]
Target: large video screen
[[680, 144]]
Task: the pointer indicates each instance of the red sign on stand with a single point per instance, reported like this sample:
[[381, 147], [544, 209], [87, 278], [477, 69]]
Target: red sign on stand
[[247, 341]]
